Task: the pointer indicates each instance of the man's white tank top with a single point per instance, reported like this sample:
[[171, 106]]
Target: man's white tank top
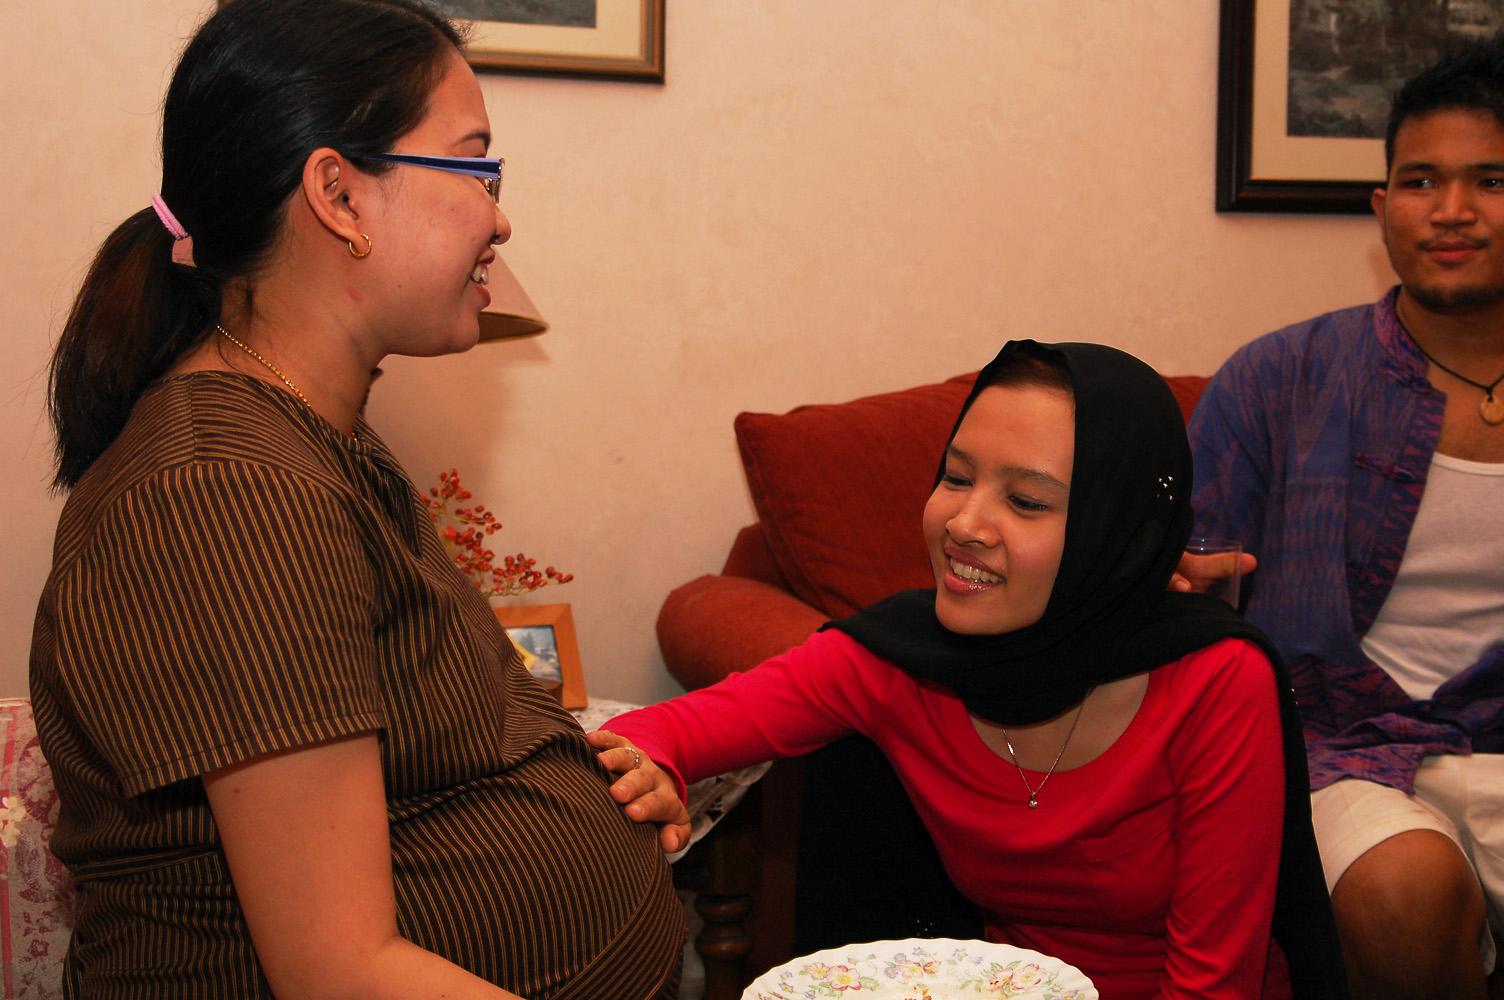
[[1447, 606]]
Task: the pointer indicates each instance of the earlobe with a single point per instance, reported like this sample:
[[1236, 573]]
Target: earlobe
[[1376, 202]]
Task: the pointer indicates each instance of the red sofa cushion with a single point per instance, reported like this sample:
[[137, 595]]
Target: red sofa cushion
[[840, 488], [1187, 390]]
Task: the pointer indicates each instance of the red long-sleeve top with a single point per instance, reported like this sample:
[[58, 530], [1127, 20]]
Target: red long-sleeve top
[[1151, 868]]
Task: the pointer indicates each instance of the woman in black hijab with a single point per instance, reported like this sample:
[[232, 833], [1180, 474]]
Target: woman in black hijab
[[1114, 773]]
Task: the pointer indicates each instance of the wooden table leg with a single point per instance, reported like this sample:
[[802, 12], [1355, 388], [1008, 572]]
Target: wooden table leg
[[742, 873], [722, 872], [724, 943]]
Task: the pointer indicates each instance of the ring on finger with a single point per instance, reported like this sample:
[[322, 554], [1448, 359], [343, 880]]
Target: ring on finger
[[636, 758]]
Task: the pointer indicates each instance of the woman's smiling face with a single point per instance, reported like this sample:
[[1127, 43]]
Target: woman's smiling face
[[995, 525], [437, 231]]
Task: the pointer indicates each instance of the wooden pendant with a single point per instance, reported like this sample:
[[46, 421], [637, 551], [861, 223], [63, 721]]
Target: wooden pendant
[[1491, 410]]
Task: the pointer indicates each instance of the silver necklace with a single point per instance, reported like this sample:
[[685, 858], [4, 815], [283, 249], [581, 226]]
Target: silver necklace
[[1007, 742]]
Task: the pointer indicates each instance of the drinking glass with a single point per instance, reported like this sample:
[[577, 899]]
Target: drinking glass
[[1220, 577]]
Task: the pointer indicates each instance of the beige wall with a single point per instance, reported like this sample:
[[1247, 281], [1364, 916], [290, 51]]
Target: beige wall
[[821, 203]]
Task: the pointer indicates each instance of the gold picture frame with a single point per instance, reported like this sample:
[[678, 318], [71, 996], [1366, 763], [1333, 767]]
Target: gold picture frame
[[545, 634], [626, 43]]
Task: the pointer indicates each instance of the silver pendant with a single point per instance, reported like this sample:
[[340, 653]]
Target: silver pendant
[[1032, 803], [1491, 410]]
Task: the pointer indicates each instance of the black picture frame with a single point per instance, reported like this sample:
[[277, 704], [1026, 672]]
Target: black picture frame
[[1238, 189]]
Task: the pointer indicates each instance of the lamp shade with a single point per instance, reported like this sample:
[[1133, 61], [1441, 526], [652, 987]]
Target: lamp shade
[[511, 313]]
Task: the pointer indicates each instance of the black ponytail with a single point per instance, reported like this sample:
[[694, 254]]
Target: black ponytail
[[135, 314], [261, 85]]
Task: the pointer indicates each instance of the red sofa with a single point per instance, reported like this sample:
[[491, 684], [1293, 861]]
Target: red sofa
[[838, 490]]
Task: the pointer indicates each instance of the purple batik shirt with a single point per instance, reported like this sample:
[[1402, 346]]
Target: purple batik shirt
[[1312, 446]]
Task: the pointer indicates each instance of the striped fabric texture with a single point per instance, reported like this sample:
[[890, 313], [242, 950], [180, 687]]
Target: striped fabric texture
[[234, 577]]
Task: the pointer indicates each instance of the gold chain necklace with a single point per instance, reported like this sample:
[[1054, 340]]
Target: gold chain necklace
[[274, 369], [1034, 792]]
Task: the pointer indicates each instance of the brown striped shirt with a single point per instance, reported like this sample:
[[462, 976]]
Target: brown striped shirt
[[234, 577]]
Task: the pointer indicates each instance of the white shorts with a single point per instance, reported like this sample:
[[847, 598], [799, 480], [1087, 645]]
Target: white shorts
[[1461, 798]]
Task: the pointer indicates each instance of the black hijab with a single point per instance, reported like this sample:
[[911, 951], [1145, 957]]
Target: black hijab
[[1109, 615]]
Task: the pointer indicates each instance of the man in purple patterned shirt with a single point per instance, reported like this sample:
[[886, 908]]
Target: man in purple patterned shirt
[[1360, 457]]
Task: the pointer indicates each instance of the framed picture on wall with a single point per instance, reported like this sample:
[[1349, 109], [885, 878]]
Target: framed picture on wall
[[544, 634], [1304, 89], [594, 39], [602, 39]]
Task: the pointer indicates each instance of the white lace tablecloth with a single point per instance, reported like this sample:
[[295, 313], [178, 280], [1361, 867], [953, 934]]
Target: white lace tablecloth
[[708, 800]]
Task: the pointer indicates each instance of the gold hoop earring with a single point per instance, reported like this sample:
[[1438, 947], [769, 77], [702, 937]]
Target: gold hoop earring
[[351, 245]]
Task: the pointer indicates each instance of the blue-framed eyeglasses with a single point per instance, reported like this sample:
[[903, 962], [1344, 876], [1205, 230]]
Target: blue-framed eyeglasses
[[483, 169]]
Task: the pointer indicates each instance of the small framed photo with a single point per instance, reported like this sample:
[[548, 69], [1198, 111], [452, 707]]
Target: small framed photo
[[600, 39], [544, 634]]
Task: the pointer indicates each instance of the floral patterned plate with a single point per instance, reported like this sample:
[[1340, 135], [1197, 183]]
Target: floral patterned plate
[[936, 969]]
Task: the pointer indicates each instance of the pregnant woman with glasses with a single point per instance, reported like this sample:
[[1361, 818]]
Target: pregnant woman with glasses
[[296, 755], [1112, 773]]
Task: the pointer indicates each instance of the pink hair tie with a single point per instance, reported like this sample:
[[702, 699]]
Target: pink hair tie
[[169, 221], [182, 247]]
